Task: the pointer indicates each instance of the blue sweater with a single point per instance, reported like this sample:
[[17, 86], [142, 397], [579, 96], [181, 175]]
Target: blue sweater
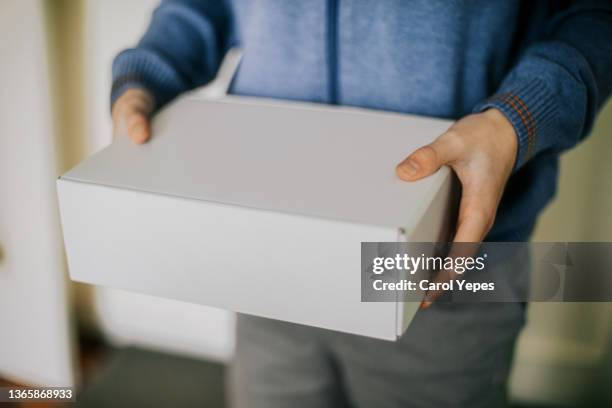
[[546, 65]]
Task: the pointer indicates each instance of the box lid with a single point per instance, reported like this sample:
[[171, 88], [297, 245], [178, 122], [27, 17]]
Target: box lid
[[315, 160]]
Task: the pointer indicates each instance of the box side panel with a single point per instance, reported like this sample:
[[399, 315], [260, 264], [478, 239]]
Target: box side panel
[[405, 312], [281, 266], [438, 221], [436, 225]]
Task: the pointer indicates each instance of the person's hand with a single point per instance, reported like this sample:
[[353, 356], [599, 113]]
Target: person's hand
[[481, 149], [131, 113]]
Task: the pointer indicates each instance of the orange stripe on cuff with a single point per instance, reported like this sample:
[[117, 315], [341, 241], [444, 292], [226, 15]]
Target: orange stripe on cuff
[[531, 128], [507, 98]]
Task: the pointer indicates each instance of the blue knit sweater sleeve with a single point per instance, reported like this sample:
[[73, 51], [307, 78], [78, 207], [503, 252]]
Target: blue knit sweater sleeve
[[181, 50], [553, 93]]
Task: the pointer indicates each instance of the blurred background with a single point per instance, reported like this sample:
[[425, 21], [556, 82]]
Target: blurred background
[[136, 350]]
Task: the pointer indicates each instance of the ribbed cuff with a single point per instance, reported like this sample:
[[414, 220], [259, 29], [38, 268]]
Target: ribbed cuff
[[531, 109], [140, 68]]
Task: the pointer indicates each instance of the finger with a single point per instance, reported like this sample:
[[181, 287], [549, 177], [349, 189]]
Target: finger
[[475, 220], [457, 250], [131, 114], [138, 127], [476, 215], [442, 276], [428, 159]]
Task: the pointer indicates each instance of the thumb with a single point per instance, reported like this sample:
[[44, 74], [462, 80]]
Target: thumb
[[427, 159], [131, 113], [138, 126]]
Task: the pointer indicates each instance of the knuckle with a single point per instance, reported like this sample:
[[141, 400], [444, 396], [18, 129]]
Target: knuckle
[[427, 154], [134, 115], [450, 134], [134, 100], [453, 139]]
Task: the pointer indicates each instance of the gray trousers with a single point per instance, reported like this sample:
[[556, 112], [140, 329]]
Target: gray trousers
[[453, 355]]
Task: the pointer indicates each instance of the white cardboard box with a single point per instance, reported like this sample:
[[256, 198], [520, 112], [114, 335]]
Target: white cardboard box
[[258, 207]]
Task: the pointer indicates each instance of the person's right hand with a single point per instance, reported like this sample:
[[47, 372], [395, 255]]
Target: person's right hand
[[131, 113]]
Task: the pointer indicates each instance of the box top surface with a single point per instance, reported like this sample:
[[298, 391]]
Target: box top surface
[[323, 161]]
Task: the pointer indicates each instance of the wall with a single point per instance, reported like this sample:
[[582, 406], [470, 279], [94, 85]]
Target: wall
[[564, 345], [35, 333]]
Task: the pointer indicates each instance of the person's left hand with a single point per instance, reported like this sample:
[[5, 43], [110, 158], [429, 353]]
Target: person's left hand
[[481, 149]]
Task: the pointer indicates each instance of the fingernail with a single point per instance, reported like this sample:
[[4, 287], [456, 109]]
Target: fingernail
[[425, 304], [138, 133], [410, 167], [137, 129]]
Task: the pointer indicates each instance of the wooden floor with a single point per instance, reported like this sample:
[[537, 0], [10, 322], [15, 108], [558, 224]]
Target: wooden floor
[[5, 383], [92, 354]]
